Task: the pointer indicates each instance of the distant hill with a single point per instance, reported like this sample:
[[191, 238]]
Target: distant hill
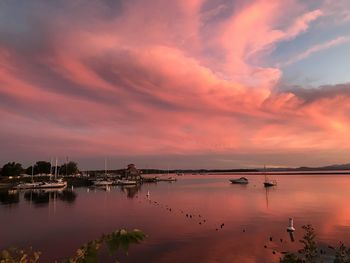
[[333, 167], [329, 167]]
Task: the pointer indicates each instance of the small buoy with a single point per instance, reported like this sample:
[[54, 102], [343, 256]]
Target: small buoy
[[148, 194], [281, 240], [290, 228], [271, 239], [265, 246], [243, 230]]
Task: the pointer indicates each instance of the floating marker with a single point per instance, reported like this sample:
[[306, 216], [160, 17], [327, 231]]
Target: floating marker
[[290, 228]]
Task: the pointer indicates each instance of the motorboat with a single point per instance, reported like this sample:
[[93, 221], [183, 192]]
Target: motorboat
[[269, 183], [241, 180], [125, 182]]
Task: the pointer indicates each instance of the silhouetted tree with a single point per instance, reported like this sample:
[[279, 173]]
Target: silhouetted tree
[[29, 170], [42, 167], [69, 168], [11, 169]]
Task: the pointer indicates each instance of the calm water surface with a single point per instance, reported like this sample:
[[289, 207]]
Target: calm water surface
[[58, 223]]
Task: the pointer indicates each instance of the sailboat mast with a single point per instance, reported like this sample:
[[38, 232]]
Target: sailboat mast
[[56, 169], [105, 166], [32, 173], [265, 173], [51, 167]]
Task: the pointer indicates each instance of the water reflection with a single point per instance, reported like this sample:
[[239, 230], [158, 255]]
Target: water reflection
[[8, 197], [131, 190], [44, 197]]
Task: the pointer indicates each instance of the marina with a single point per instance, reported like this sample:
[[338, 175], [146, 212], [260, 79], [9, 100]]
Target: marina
[[182, 220]]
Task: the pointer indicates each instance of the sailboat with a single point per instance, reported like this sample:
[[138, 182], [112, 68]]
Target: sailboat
[[103, 182], [56, 183], [268, 182], [30, 185]]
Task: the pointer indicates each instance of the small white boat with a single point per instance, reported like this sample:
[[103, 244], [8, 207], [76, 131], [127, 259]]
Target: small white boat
[[241, 180], [125, 182], [102, 183]]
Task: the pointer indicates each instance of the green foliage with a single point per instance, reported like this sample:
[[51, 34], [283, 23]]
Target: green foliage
[[88, 253], [310, 252], [14, 255], [342, 254], [11, 169], [291, 258]]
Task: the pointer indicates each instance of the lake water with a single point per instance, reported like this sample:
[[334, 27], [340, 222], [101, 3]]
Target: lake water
[[58, 223]]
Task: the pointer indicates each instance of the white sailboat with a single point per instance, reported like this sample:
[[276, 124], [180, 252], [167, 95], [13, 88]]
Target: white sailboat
[[56, 183], [268, 182], [103, 182], [30, 185]]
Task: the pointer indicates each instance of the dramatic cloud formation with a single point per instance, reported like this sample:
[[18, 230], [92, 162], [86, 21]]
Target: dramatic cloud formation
[[161, 78]]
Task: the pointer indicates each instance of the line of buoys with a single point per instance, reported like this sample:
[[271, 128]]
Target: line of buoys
[[188, 215]]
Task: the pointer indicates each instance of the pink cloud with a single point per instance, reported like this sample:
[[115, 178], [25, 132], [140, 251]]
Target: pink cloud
[[147, 81]]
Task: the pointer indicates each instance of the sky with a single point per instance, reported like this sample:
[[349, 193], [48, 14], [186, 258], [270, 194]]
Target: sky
[[175, 84]]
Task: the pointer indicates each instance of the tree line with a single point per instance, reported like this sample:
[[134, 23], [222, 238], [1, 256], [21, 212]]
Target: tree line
[[40, 167]]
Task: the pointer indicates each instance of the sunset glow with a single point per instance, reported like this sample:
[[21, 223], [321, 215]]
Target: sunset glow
[[237, 83]]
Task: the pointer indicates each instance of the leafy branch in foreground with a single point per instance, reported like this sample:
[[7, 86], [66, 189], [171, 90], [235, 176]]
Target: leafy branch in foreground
[[88, 253], [118, 239], [310, 253], [15, 255]]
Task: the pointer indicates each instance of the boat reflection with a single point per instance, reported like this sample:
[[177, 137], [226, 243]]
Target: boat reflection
[[44, 197], [131, 190], [8, 197]]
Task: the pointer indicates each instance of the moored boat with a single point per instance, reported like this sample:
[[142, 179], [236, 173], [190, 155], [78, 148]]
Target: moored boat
[[102, 182], [52, 184], [32, 185], [125, 182], [268, 182], [241, 180]]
